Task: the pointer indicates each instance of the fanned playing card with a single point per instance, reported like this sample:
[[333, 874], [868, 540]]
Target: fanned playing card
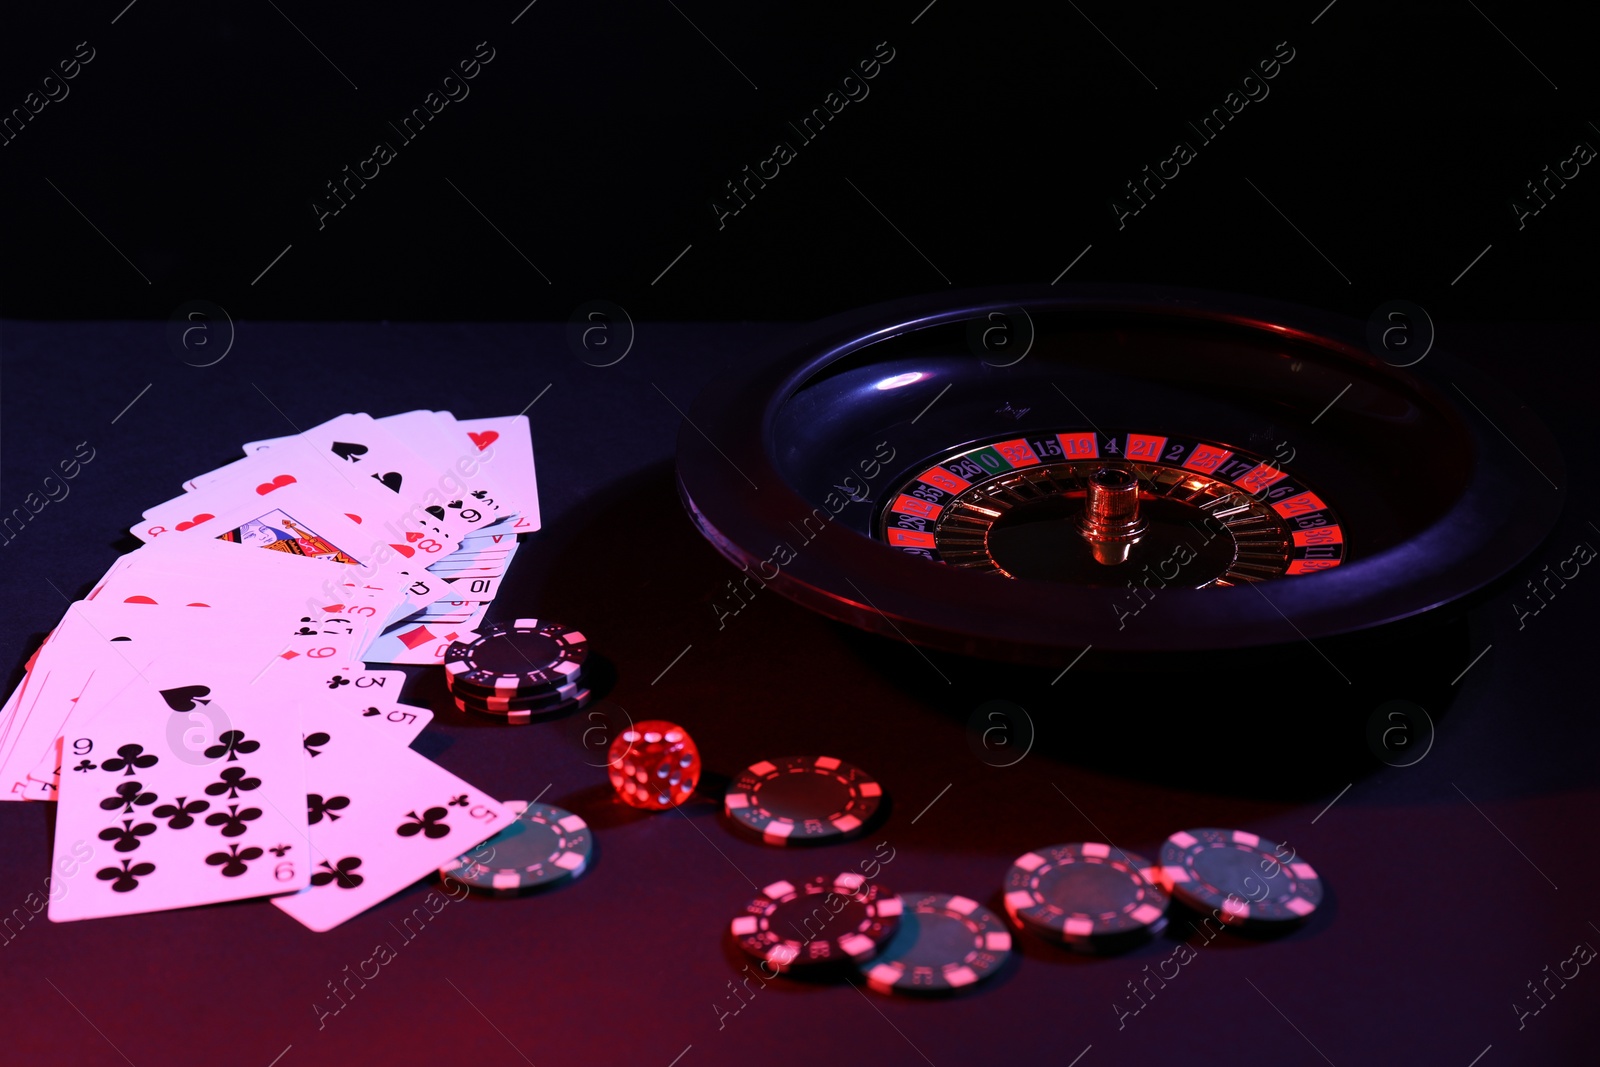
[[187, 794], [99, 648], [380, 818], [511, 467], [369, 698], [357, 444], [416, 643], [435, 435], [206, 719]]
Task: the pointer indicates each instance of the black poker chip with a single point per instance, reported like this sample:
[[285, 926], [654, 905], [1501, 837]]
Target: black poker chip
[[526, 654], [517, 716], [507, 700], [463, 684], [1086, 895], [945, 944], [1242, 879], [820, 922], [545, 846], [802, 799]]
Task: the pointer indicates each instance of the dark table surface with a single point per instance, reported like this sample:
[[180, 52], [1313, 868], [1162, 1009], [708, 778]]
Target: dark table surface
[[1453, 883]]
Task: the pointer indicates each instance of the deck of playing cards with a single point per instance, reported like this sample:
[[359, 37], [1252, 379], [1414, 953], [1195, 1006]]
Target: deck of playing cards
[[206, 720]]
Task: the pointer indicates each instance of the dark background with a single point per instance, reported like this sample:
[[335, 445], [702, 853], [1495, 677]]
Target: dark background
[[186, 159], [200, 135]]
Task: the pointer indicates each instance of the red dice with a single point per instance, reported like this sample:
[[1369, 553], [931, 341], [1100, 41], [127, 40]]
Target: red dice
[[654, 764]]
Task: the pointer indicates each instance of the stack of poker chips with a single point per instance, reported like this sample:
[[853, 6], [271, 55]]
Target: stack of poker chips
[[519, 671], [926, 943], [846, 925]]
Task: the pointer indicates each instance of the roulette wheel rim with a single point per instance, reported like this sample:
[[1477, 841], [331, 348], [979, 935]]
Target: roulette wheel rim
[[736, 483]]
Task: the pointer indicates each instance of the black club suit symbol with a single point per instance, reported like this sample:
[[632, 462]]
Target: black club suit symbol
[[234, 781], [428, 824], [181, 812], [312, 740], [232, 744], [233, 862], [317, 808], [128, 794], [233, 822], [130, 758], [127, 838], [460, 801], [126, 877], [85, 765], [279, 850], [341, 874], [337, 680]]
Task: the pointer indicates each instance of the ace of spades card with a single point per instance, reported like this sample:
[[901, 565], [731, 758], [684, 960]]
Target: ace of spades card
[[191, 794], [381, 817]]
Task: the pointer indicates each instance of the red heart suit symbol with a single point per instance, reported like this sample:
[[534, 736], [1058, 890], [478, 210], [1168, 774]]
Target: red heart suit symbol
[[405, 550], [277, 483], [485, 439], [138, 600], [412, 535], [189, 524]]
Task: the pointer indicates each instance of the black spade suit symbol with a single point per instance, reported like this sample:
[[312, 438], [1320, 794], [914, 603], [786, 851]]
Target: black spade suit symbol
[[185, 697]]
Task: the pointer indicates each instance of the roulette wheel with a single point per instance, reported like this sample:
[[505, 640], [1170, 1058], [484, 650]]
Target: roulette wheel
[[1025, 474]]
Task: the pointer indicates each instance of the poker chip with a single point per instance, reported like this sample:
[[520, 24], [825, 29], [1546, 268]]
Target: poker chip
[[522, 715], [525, 654], [802, 799], [820, 922], [1086, 895], [503, 691], [503, 702], [545, 846], [945, 944], [1242, 879]]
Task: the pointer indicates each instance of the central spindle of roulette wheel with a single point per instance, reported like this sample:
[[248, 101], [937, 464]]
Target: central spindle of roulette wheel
[[1111, 522]]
